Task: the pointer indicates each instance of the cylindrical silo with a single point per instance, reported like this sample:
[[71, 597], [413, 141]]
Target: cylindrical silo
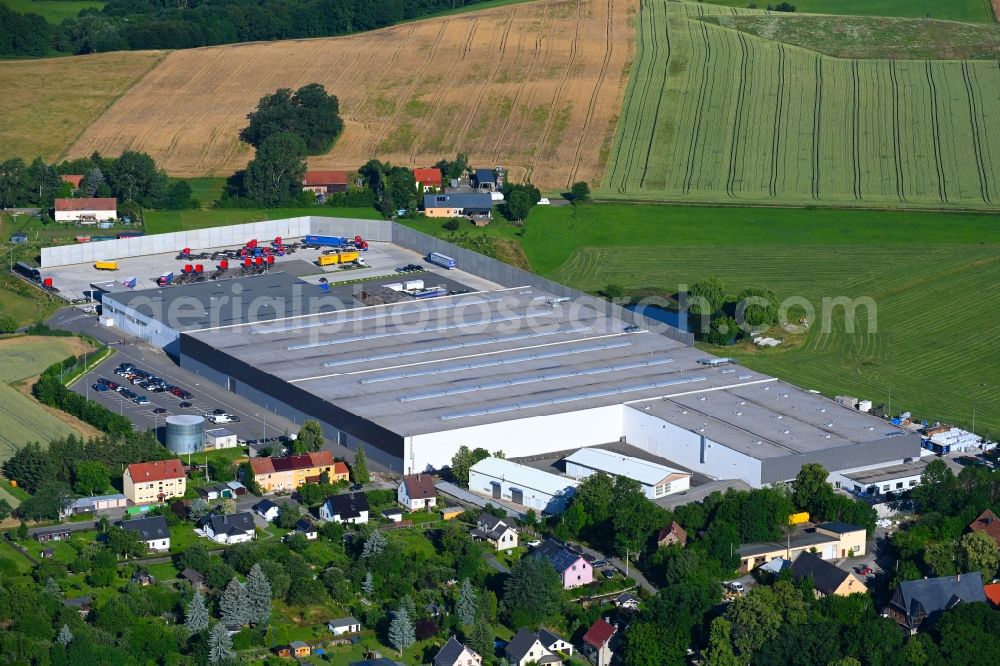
[[185, 433]]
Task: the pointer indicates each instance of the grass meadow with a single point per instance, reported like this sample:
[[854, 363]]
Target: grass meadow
[[934, 277], [953, 10], [717, 115], [53, 11]]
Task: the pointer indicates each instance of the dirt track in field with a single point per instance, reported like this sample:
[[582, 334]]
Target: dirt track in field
[[533, 87]]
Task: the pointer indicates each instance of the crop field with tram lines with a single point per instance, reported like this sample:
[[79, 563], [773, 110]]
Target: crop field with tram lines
[[533, 87], [717, 115]]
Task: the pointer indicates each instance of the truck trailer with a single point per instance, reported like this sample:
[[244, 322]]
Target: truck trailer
[[339, 258], [331, 241], [106, 265]]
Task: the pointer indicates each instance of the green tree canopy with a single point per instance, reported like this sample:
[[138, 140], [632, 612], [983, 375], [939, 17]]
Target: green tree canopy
[[531, 592], [706, 297], [274, 176], [310, 113]]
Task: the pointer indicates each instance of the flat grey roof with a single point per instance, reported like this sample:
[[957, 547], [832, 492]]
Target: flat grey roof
[[799, 540], [487, 357], [887, 473], [769, 419]]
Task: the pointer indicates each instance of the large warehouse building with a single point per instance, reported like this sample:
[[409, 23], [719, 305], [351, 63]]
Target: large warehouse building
[[520, 365]]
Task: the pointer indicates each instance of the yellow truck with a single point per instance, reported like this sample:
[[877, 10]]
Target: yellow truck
[[338, 258], [106, 265]]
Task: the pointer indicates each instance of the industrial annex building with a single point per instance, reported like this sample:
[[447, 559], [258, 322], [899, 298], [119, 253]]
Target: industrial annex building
[[524, 368]]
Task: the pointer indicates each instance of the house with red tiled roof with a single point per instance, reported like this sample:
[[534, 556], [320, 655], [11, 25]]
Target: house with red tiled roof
[[597, 642], [989, 524], [671, 534], [324, 182], [428, 180], [157, 481], [416, 491], [86, 210], [73, 179], [992, 591], [290, 472]]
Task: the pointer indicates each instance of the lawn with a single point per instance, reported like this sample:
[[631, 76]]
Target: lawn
[[22, 419], [955, 10], [163, 221], [54, 11], [934, 277]]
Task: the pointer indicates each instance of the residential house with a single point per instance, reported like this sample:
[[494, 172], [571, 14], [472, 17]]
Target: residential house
[[988, 524], [670, 535], [656, 480], [918, 603], [300, 649], [290, 472], [344, 625], [626, 601], [196, 579], [501, 479], [324, 182], [428, 180], [306, 527], [74, 180], [495, 531], [93, 504], [992, 592], [154, 531], [484, 180], [573, 570], [827, 579], [229, 529], [283, 651], [143, 578], [597, 642], [86, 210], [227, 490], [830, 541], [81, 604], [347, 508], [154, 482], [267, 510], [221, 438], [456, 654], [47, 534], [541, 646], [459, 204], [451, 512], [417, 492]]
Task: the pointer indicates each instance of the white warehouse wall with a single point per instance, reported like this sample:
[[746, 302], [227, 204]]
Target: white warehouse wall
[[683, 447], [517, 438]]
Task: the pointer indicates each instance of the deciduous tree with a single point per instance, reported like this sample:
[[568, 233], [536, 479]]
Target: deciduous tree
[[359, 470], [274, 176]]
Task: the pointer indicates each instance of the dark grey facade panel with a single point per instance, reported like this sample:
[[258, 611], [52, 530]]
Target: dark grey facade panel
[[220, 367], [862, 454], [509, 276]]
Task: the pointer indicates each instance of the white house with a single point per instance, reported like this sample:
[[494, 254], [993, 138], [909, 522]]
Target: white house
[[495, 531], [656, 480], [416, 492], [347, 508], [152, 531], [456, 654], [502, 479], [220, 438], [543, 647], [267, 510], [86, 210], [229, 529], [344, 625], [307, 528]]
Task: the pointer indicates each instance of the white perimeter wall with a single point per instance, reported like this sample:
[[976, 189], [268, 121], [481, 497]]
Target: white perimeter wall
[[684, 447], [519, 438]]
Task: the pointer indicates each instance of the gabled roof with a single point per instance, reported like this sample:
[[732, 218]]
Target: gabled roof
[[475, 200], [348, 505], [290, 463], [524, 476], [561, 557], [86, 204], [548, 639], [343, 621], [451, 652], [826, 577], [485, 176], [987, 523], [625, 597], [520, 644], [645, 472], [919, 599], [158, 470], [673, 528], [264, 506], [231, 524], [73, 179], [313, 178], [419, 486], [148, 529], [303, 525], [193, 576], [993, 593], [599, 633], [490, 527], [428, 176]]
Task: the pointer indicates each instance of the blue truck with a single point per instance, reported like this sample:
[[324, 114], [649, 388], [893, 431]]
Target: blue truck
[[442, 260], [331, 241]]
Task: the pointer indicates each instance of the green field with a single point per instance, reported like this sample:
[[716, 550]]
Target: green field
[[54, 11], [954, 10], [23, 420], [159, 222], [717, 115], [935, 279]]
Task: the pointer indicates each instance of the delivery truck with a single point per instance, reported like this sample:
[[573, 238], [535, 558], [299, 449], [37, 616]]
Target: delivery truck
[[106, 265], [331, 241]]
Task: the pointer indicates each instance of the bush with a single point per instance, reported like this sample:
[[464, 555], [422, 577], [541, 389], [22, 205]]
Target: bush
[[452, 225]]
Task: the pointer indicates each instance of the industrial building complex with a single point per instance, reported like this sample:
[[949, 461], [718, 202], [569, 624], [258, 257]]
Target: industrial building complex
[[502, 360]]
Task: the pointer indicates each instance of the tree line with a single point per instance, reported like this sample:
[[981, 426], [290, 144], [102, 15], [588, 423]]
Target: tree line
[[153, 24]]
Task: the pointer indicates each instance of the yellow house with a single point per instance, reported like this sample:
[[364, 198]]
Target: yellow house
[[827, 579], [154, 482], [273, 474], [830, 541]]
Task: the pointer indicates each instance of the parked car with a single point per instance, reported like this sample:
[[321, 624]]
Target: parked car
[[99, 387], [608, 573], [735, 586], [185, 404], [140, 400], [159, 410], [544, 201], [218, 411], [535, 543], [864, 570]]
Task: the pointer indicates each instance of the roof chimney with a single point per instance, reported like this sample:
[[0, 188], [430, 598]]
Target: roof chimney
[[958, 578]]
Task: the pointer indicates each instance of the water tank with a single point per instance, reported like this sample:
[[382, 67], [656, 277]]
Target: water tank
[[185, 433]]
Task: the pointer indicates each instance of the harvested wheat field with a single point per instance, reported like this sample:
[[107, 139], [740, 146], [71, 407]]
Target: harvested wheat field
[[47, 103], [533, 87]]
